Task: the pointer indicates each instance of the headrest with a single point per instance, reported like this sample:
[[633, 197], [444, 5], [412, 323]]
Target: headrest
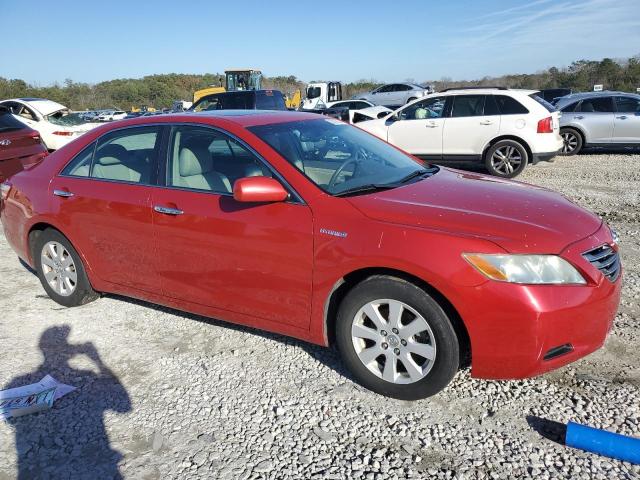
[[194, 160], [112, 154]]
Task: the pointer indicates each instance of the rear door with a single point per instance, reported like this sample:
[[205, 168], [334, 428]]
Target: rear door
[[626, 127], [418, 128], [103, 197], [252, 259], [474, 120], [595, 118]]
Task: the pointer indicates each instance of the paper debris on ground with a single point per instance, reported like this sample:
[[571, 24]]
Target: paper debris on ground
[[19, 401]]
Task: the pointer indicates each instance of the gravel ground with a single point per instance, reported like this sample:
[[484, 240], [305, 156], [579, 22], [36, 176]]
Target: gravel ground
[[162, 394]]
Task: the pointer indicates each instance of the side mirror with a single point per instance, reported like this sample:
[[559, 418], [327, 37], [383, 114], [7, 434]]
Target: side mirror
[[259, 189], [384, 114]]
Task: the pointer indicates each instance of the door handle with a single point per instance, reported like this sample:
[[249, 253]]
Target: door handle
[[486, 122], [579, 117], [622, 117], [62, 193], [431, 125], [168, 211]]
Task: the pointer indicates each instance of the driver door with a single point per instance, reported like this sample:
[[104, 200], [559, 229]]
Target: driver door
[[418, 128]]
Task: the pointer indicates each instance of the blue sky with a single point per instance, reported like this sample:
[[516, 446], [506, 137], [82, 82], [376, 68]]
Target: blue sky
[[48, 41]]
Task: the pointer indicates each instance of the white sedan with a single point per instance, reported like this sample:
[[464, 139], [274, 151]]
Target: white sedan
[[55, 122]]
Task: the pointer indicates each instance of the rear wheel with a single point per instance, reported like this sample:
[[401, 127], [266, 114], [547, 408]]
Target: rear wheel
[[572, 141], [61, 271], [396, 340], [506, 158]]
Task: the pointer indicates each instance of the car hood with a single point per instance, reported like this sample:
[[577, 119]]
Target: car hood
[[520, 218]]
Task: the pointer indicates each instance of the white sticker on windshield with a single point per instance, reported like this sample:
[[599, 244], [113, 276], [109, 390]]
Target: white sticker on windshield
[[333, 121]]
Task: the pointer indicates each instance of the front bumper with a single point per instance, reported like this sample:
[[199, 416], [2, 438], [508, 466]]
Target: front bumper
[[514, 327]]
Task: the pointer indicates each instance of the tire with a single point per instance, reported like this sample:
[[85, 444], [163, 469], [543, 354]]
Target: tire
[[435, 336], [411, 99], [506, 159], [572, 141], [73, 288]]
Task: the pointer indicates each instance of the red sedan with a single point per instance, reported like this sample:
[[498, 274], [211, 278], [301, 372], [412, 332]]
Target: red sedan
[[312, 228], [20, 146]]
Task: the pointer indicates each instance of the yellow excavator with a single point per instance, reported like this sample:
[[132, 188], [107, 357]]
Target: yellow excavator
[[235, 79], [293, 101]]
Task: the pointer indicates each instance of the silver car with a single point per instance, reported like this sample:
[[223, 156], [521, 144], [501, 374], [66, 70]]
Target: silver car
[[395, 94], [596, 119]]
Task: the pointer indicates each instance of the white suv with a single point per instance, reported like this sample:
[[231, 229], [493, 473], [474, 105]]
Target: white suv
[[505, 129]]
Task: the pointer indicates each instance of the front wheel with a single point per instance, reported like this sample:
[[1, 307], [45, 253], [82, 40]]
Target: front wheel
[[506, 158], [61, 271], [396, 340], [572, 141]]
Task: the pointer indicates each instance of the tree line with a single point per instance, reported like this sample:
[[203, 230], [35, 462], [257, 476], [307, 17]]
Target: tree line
[[161, 90]]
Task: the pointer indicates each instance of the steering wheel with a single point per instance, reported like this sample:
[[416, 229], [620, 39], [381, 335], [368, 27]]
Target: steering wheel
[[359, 156]]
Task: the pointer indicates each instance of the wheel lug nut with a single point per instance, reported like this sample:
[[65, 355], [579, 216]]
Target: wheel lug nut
[[403, 342], [384, 333], [394, 330], [385, 346], [396, 351]]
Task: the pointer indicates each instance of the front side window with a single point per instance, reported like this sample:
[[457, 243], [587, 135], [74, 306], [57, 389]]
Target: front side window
[[428, 108], [313, 92], [126, 155], [204, 159], [337, 157], [597, 105], [627, 105], [468, 106]]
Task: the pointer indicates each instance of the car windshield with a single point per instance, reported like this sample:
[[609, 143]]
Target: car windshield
[[339, 158], [66, 118], [313, 92]]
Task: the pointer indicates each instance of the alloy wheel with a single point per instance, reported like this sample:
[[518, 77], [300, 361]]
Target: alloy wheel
[[58, 268], [506, 159], [570, 142], [393, 341]]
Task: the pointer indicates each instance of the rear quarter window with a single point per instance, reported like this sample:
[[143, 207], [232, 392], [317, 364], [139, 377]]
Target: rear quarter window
[[510, 106]]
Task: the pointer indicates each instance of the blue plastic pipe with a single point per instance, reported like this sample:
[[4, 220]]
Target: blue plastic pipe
[[604, 443]]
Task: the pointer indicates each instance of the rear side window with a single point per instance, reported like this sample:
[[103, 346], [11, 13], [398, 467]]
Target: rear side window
[[598, 105], [510, 106], [543, 102], [9, 123], [468, 106], [126, 155], [270, 100]]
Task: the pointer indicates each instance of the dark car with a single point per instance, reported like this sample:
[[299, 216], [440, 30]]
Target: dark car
[[552, 95], [242, 100], [20, 146]]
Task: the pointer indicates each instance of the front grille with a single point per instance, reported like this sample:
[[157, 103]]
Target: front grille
[[605, 259]]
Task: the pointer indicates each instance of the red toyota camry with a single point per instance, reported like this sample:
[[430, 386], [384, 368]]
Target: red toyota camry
[[306, 226]]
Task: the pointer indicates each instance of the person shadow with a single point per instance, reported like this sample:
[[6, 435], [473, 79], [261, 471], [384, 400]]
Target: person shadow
[[69, 440]]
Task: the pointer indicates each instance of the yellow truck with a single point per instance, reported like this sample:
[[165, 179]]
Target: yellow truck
[[235, 79]]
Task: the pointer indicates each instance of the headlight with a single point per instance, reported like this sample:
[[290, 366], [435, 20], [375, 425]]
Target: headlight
[[530, 269], [615, 236]]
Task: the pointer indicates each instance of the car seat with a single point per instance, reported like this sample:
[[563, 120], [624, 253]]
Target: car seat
[[195, 169], [114, 162]]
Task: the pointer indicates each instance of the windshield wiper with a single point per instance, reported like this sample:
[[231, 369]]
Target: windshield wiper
[[371, 187], [417, 173]]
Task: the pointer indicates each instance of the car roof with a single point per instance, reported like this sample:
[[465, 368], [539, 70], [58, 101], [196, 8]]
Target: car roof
[[486, 91], [42, 105], [574, 97]]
